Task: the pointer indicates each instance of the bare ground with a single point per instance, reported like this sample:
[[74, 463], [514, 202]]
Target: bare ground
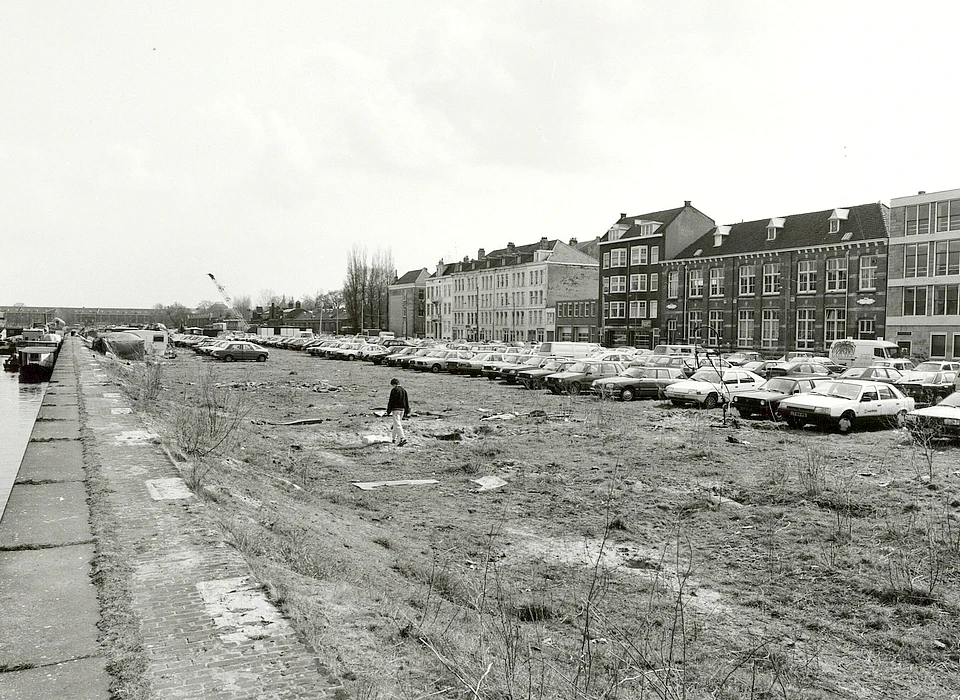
[[636, 551]]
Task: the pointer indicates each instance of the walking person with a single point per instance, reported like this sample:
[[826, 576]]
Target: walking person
[[398, 408]]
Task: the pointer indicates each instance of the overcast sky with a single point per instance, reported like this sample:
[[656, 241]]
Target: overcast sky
[[145, 144]]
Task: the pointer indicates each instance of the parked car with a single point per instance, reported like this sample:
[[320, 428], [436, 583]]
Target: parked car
[[580, 375], [491, 369], [398, 352], [534, 378], [876, 374], [938, 366], [474, 365], [441, 361], [761, 368], [740, 358], [405, 360], [941, 420], [709, 388], [796, 367], [240, 350], [638, 383], [847, 402], [927, 388], [347, 351], [511, 373], [899, 363], [766, 398]]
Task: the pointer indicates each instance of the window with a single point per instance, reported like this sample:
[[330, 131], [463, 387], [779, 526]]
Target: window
[[694, 321], [771, 233], [805, 324], [916, 219], [618, 257], [835, 325], [716, 281], [655, 251], [673, 284], [745, 328], [915, 260], [638, 255], [867, 329], [618, 309], [836, 274], [868, 272], [914, 301], [606, 285], [748, 280], [716, 326], [638, 309], [948, 215], [938, 345], [834, 225], [618, 283], [654, 281], [946, 258], [655, 307], [806, 277], [769, 328], [606, 261], [648, 229], [956, 346], [771, 278], [946, 300], [638, 283], [696, 283]]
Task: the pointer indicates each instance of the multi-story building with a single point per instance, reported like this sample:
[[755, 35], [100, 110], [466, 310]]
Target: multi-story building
[[631, 255], [576, 320], [784, 283], [20, 316], [508, 294], [923, 283], [407, 304]]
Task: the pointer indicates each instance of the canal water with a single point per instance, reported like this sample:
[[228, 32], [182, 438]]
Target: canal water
[[19, 405]]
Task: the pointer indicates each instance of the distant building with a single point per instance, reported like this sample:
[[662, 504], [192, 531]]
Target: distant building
[[576, 320], [407, 304], [26, 316]]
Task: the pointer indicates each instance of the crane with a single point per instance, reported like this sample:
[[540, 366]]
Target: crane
[[226, 297]]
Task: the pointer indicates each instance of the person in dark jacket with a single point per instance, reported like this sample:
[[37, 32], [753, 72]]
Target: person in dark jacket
[[398, 408]]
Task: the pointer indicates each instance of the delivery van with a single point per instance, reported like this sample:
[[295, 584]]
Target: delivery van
[[563, 348], [853, 352]]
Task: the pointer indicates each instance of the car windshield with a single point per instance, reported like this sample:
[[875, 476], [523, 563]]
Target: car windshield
[[578, 367], [533, 362], [952, 400], [853, 372], [839, 390], [784, 386], [556, 365], [706, 375]]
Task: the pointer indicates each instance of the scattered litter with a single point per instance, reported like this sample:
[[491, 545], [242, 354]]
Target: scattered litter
[[371, 485], [455, 436], [301, 421], [736, 440], [537, 413], [488, 483], [867, 474], [718, 501], [500, 416], [375, 439], [380, 413]]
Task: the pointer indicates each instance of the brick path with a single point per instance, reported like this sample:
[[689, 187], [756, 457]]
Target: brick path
[[208, 630]]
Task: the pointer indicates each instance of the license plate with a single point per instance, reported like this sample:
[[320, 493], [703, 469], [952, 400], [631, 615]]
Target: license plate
[[800, 414]]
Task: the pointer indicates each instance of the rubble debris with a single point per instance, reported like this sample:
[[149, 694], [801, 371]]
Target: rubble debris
[[371, 485], [488, 483], [736, 441], [376, 439], [500, 416]]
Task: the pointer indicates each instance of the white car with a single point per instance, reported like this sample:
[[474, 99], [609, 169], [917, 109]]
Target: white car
[[939, 421], [847, 402], [709, 388]]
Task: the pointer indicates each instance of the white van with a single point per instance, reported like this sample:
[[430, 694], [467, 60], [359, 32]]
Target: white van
[[563, 348], [851, 352], [683, 350]]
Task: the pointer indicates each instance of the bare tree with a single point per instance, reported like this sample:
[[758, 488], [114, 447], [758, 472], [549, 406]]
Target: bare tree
[[242, 305], [382, 275], [355, 286], [265, 297]]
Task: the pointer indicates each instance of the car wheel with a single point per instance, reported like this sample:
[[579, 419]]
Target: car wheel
[[901, 418], [228, 358], [261, 358], [845, 424], [626, 394], [710, 401], [351, 358], [435, 368], [574, 389]]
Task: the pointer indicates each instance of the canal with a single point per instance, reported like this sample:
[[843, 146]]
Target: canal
[[19, 405]]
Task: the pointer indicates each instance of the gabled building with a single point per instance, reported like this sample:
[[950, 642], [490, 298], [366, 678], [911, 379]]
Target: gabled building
[[508, 294], [784, 283], [406, 309], [923, 286], [631, 254]]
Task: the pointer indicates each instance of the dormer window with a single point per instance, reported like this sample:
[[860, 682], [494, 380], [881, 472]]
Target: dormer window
[[834, 225], [775, 223], [836, 216], [771, 233], [718, 235]]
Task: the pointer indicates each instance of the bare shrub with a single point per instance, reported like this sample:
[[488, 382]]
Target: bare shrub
[[811, 471], [920, 557]]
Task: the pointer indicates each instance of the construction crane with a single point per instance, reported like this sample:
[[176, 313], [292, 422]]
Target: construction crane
[[236, 315]]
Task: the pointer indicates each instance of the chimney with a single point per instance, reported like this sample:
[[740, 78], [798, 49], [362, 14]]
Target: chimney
[[466, 258], [543, 242], [440, 266], [298, 305], [573, 242], [686, 202], [922, 192], [510, 246], [481, 254], [623, 215]]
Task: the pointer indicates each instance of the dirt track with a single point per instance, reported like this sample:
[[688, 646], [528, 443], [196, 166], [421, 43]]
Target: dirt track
[[789, 555]]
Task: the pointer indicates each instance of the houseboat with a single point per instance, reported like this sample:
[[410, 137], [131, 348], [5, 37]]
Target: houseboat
[[36, 362]]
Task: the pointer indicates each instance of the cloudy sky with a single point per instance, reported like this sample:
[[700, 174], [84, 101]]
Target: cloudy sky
[[145, 144]]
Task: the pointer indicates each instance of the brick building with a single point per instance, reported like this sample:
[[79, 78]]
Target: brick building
[[923, 285], [406, 308]]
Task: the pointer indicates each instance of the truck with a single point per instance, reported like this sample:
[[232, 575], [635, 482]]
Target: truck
[[854, 352]]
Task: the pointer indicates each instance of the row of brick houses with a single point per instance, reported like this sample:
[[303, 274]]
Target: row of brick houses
[[781, 283]]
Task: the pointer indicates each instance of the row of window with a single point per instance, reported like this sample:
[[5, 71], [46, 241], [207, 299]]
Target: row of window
[[932, 300], [640, 308], [836, 278], [936, 258], [834, 327], [616, 284], [639, 255], [577, 309], [941, 216]]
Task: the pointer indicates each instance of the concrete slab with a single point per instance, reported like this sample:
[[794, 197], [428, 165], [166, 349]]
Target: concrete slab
[[45, 514], [84, 678], [55, 430], [57, 460], [50, 609], [52, 411]]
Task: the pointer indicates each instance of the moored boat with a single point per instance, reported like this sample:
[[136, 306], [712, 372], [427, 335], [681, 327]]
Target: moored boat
[[36, 362]]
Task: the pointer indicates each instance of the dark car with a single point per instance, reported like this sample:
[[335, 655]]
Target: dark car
[[805, 367], [240, 350], [581, 375], [638, 383], [927, 388], [533, 378], [491, 370], [511, 373], [764, 400], [875, 374], [473, 366], [393, 358]]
